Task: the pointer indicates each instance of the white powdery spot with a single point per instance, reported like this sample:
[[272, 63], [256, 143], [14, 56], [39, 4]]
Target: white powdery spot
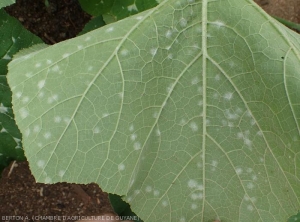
[[195, 80], [129, 199], [194, 126], [246, 197], [110, 29], [37, 65], [17, 140], [250, 185], [157, 132], [57, 119], [214, 163], [197, 196], [67, 120], [49, 61], [240, 135], [96, 130], [121, 167], [254, 177], [153, 51], [139, 17], [52, 98], [136, 192], [24, 112], [207, 121], [55, 68], [156, 193], [121, 95], [29, 74], [219, 24], [194, 206], [3, 130], [41, 94], [133, 137], [61, 173], [247, 142], [36, 128], [66, 55], [170, 56], [170, 88], [230, 115], [228, 95], [155, 115], [183, 122], [27, 132], [132, 8], [47, 135], [6, 57], [19, 94], [13, 39], [131, 128], [250, 208], [165, 203], [124, 52], [253, 199], [182, 219], [39, 145], [48, 180], [80, 47], [168, 34], [40, 163], [238, 171], [249, 170], [3, 109], [88, 38], [196, 46], [148, 189], [192, 183], [217, 77], [183, 22], [137, 146], [41, 83]]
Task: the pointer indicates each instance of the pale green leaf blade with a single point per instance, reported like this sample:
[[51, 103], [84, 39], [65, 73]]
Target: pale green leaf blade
[[190, 110], [4, 3], [13, 37]]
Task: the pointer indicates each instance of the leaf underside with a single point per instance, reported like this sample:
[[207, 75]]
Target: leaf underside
[[189, 110], [4, 3]]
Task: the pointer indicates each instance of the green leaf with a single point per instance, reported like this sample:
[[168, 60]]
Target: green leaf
[[118, 9], [189, 110], [13, 38], [125, 8], [295, 218], [121, 207], [93, 24], [4, 3], [96, 7]]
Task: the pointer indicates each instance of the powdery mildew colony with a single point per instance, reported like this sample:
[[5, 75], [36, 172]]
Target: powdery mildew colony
[[186, 109]]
